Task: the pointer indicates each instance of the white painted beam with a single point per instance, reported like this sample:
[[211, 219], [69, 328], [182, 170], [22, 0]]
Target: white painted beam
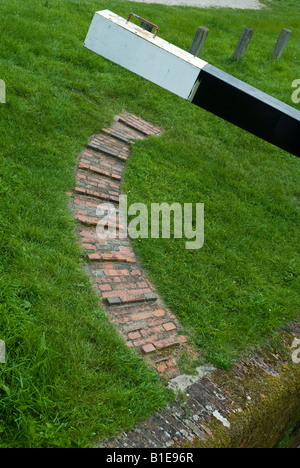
[[139, 51], [193, 79]]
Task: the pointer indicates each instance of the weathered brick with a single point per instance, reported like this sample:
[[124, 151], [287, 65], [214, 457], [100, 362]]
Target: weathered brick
[[169, 326], [151, 296], [152, 331], [89, 246], [124, 248], [134, 335], [105, 287], [94, 256], [116, 272], [171, 362], [148, 348], [79, 190], [165, 343], [159, 313], [113, 300], [162, 367], [135, 272], [123, 320], [182, 339], [143, 341], [141, 316]]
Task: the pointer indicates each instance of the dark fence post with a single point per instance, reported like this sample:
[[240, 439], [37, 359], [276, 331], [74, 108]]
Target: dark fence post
[[243, 43], [281, 43], [199, 41]]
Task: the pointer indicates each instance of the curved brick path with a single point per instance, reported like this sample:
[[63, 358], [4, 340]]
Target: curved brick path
[[129, 298], [214, 399]]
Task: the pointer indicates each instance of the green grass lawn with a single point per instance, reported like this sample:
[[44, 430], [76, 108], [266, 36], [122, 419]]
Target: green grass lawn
[[68, 376], [244, 283]]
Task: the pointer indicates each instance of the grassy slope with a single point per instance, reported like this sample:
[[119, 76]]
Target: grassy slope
[[68, 375], [232, 294]]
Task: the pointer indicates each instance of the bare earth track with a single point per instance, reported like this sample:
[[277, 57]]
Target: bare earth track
[[235, 4]]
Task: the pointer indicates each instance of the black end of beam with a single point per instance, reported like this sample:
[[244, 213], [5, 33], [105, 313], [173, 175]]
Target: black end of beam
[[248, 108]]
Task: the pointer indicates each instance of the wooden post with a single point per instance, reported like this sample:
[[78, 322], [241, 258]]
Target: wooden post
[[281, 43], [2, 352], [2, 92], [243, 43], [199, 41]]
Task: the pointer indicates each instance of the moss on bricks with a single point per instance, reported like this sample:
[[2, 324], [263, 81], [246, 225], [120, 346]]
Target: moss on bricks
[[267, 404]]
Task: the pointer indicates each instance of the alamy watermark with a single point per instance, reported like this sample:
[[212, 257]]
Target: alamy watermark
[[296, 93], [163, 221], [2, 92], [2, 352], [296, 353]]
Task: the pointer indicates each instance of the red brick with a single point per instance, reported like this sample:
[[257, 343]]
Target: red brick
[[152, 330], [124, 248], [144, 341], [172, 341], [94, 256], [113, 294], [162, 367], [86, 234], [141, 316], [169, 326], [79, 190], [138, 291], [130, 259], [122, 320], [125, 295], [87, 220], [156, 321], [116, 272], [171, 362], [94, 205], [136, 272], [105, 287], [83, 165], [148, 348], [182, 339], [89, 246], [159, 313], [134, 335]]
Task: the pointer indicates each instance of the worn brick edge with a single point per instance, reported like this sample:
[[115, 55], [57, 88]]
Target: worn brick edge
[[249, 406]]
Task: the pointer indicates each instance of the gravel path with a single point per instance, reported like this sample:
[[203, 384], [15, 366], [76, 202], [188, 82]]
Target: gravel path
[[238, 4]]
